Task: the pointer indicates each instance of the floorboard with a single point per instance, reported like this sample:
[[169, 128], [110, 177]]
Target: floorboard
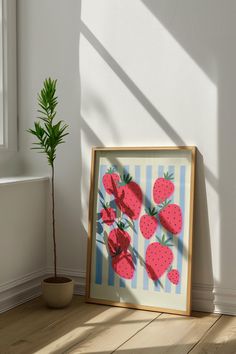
[[169, 331], [42, 330], [32, 328], [221, 338], [111, 329]]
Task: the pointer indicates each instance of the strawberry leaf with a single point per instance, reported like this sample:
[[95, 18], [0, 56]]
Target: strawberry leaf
[[121, 225], [169, 239], [156, 282], [163, 205], [126, 178], [100, 241], [151, 211], [130, 224], [100, 193], [111, 170], [168, 176], [103, 204]]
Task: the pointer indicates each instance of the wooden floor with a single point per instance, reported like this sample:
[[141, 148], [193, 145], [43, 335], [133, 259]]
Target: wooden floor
[[88, 328]]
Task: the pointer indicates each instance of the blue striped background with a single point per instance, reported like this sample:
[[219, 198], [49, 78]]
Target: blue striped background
[[160, 173], [148, 198], [124, 172], [135, 235], [150, 177], [99, 245], [181, 235], [171, 169]]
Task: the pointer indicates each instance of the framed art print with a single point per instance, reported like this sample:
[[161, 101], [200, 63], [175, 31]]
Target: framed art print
[[140, 228]]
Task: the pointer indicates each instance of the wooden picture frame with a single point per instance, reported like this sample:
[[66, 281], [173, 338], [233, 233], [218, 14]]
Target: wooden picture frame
[[140, 229]]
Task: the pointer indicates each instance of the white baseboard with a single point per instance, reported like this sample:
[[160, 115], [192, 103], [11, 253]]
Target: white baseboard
[[205, 297], [20, 290], [225, 301], [23, 289], [202, 298], [215, 299]]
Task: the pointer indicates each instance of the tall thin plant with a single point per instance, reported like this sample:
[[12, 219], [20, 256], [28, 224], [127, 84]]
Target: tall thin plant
[[49, 136]]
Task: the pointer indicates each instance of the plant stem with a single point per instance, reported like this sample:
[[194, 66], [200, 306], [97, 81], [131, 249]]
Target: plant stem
[[53, 225]]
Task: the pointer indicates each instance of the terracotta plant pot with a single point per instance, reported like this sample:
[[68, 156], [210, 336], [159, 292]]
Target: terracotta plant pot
[[57, 292]]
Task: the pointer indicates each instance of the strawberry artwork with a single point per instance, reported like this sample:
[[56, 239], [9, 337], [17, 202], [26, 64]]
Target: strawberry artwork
[[118, 238], [163, 188], [158, 258], [110, 180], [129, 197], [148, 223], [173, 276], [108, 214], [171, 217], [123, 265], [118, 243]]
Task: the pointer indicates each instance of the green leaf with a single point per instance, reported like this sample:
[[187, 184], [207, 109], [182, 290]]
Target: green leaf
[[103, 204], [49, 135], [130, 224]]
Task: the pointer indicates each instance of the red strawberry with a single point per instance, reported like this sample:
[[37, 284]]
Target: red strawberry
[[163, 188], [108, 214], [128, 197], [158, 258], [148, 223], [173, 276], [123, 265], [171, 218], [110, 180], [118, 239]]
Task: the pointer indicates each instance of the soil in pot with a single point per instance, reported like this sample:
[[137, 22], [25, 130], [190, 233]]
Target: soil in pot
[[57, 280]]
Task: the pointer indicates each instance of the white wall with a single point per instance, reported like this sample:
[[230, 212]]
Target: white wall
[[152, 73], [22, 252], [48, 45], [23, 238]]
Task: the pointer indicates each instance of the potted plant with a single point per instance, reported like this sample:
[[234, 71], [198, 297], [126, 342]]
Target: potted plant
[[57, 290]]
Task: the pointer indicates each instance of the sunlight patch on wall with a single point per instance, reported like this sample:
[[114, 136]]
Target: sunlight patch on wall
[[157, 64], [140, 87]]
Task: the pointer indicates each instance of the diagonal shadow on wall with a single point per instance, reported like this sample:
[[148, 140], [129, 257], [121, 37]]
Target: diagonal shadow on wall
[[202, 226]]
